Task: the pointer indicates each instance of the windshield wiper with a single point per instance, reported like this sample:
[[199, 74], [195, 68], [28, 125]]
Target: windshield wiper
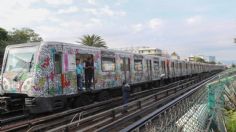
[[19, 74], [17, 77], [30, 63]]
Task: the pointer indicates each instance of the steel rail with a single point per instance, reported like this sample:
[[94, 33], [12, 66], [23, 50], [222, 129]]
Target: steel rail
[[93, 107], [109, 116], [160, 110], [133, 97]]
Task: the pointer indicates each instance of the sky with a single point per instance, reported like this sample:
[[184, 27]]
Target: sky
[[188, 27]]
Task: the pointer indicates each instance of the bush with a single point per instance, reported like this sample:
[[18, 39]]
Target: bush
[[231, 121]]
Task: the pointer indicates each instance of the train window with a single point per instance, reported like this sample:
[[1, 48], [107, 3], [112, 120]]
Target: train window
[[125, 64], [128, 65], [163, 66], [122, 64], [108, 64], [156, 65], [57, 63], [138, 65], [172, 65]]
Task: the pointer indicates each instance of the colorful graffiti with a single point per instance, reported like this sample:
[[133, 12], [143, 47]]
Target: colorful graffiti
[[46, 81]]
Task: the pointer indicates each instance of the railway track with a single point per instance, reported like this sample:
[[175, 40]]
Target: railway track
[[113, 119], [110, 108]]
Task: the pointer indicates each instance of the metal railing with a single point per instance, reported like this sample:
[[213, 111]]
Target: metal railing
[[178, 115], [113, 116]]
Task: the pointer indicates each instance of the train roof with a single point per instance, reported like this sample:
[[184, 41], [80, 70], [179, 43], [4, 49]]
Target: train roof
[[23, 44], [94, 48]]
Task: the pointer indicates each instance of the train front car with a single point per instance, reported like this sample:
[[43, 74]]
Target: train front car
[[17, 76]]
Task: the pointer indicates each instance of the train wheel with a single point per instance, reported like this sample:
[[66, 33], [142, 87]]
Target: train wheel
[[104, 95]]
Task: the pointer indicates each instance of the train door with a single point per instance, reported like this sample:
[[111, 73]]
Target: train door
[[86, 60], [58, 72], [168, 68], [181, 68], [125, 68], [163, 67], [156, 68], [173, 68], [149, 69]]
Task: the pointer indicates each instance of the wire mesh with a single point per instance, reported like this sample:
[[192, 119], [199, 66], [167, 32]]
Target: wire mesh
[[201, 111]]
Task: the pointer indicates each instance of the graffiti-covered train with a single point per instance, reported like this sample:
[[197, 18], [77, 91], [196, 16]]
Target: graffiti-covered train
[[41, 76]]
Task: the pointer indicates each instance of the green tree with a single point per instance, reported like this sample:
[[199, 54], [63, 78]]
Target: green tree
[[198, 59], [92, 40], [233, 65], [23, 35], [3, 34], [3, 40], [16, 36]]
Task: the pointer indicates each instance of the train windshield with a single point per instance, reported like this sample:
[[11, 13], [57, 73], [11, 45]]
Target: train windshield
[[20, 59]]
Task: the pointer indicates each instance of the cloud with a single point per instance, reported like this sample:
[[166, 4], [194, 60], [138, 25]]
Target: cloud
[[94, 22], [69, 30], [107, 11], [194, 20], [137, 27], [104, 11], [209, 34], [72, 9], [91, 11], [59, 2], [15, 13], [92, 2], [155, 23]]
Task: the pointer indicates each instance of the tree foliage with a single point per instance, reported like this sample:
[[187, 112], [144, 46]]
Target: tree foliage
[[23, 35], [233, 65], [3, 39], [231, 119], [17, 36], [198, 59], [92, 40], [3, 34]]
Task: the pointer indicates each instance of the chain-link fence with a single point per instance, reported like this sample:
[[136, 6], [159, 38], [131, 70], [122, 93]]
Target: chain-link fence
[[221, 95], [201, 110]]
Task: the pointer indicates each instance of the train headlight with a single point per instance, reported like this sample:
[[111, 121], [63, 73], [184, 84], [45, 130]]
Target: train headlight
[[27, 87], [6, 85], [1, 90]]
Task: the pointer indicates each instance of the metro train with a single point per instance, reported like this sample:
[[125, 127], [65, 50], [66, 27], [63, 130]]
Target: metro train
[[41, 76]]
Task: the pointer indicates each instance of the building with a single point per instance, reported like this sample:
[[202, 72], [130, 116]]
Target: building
[[174, 55], [210, 58], [165, 54], [205, 58], [143, 50], [150, 51]]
